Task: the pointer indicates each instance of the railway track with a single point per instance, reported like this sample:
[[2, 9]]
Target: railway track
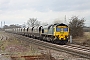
[[84, 48], [3, 37], [69, 48], [74, 49], [83, 52]]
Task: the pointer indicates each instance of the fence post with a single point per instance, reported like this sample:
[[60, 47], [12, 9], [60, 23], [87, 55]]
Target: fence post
[[70, 38]]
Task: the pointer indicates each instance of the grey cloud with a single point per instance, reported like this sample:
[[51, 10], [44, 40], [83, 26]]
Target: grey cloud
[[63, 5], [45, 5], [12, 9]]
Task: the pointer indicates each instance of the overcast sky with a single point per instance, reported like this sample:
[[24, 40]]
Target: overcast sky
[[19, 11]]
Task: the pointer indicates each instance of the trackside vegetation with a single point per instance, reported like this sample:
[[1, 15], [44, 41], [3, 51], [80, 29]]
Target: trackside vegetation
[[76, 26]]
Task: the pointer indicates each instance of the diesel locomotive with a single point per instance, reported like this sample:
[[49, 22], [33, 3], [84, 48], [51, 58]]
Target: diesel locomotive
[[55, 33]]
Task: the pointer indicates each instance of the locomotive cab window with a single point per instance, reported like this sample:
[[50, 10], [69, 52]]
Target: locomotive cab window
[[58, 29], [65, 29]]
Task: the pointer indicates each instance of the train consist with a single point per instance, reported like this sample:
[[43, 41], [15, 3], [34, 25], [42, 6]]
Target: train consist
[[56, 33]]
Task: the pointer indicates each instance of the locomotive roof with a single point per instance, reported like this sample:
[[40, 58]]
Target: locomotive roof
[[61, 24]]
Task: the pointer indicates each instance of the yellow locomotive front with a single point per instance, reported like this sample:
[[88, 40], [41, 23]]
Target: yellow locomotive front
[[57, 33], [61, 33]]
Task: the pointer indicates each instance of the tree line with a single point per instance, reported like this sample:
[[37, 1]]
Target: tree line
[[76, 25]]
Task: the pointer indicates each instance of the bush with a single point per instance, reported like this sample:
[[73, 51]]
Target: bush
[[76, 26]]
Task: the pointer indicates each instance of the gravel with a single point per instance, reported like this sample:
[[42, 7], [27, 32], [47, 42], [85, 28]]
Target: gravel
[[16, 41]]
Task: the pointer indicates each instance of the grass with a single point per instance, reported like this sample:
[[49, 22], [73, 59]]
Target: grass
[[10, 45], [85, 40], [87, 34], [14, 47]]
